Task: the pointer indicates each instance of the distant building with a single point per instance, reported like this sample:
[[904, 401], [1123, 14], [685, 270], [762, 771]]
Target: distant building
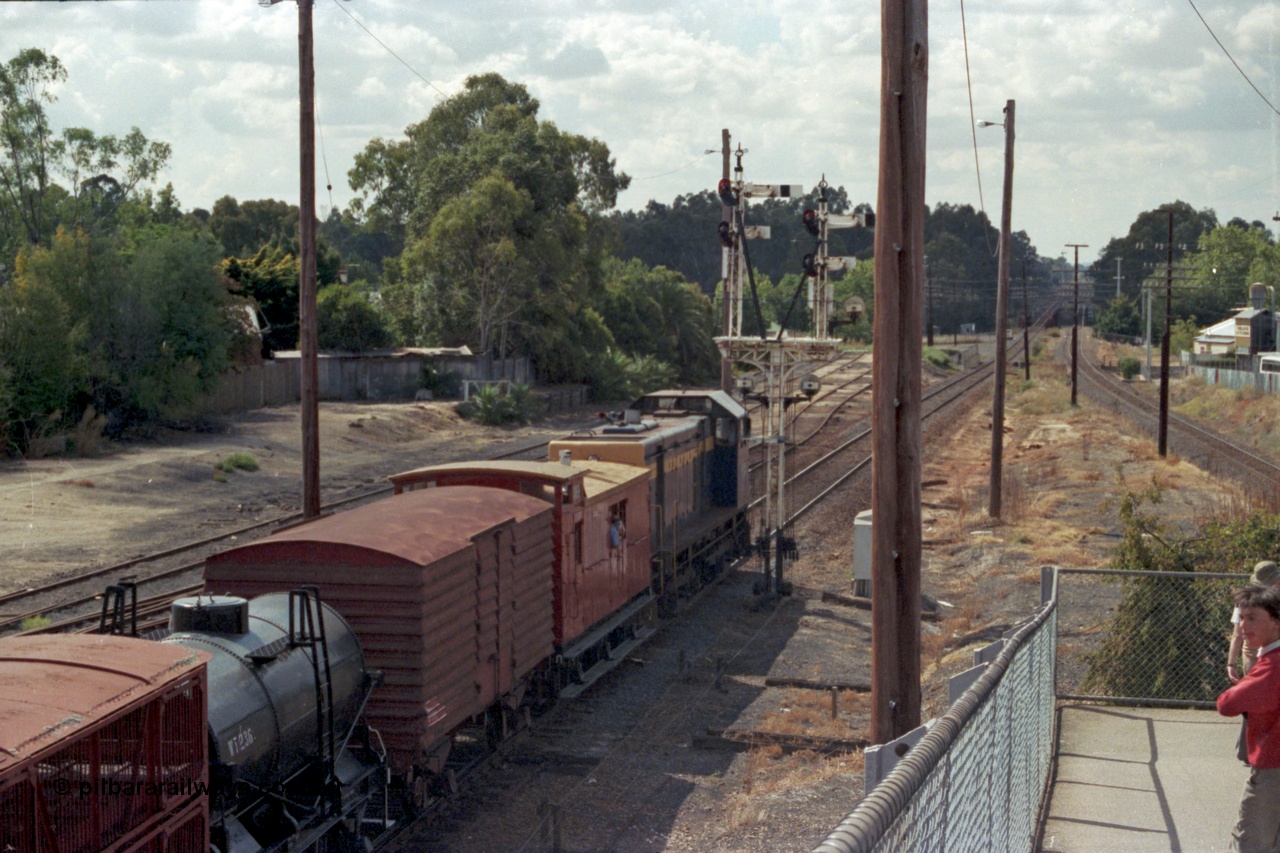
[[1218, 339]]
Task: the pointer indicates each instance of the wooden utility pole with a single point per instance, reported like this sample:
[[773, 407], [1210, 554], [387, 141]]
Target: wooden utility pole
[[1002, 319], [1026, 323], [726, 213], [895, 419], [1075, 320], [928, 289], [307, 344], [1163, 431]]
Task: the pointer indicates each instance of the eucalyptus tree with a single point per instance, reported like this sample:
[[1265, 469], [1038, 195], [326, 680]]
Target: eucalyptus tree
[[536, 195]]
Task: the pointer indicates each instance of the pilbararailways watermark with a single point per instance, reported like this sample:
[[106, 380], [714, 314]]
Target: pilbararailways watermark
[[116, 788]]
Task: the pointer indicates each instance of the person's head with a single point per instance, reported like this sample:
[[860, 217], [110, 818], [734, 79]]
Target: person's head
[[1266, 573], [1259, 614]]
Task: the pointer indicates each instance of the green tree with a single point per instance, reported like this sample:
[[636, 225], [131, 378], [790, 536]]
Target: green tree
[[471, 266], [1143, 248], [101, 172], [655, 312], [270, 279], [347, 321], [1120, 317], [481, 144], [27, 139], [1230, 258], [146, 328], [1168, 639]]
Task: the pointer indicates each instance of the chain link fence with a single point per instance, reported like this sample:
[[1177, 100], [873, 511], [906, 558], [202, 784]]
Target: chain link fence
[[978, 780], [975, 782], [1144, 638]]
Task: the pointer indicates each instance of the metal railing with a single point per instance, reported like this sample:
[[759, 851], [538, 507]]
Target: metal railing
[[978, 779]]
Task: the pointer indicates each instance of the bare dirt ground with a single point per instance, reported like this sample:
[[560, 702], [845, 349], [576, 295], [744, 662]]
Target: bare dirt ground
[[1064, 467], [60, 514]]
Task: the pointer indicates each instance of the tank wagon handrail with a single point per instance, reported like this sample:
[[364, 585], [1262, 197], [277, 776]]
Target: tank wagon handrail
[[875, 815]]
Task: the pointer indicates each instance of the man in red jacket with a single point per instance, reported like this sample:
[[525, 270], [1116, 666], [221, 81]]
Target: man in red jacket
[[1258, 695]]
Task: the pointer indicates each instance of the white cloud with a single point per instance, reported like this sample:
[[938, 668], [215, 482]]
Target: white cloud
[[1120, 106]]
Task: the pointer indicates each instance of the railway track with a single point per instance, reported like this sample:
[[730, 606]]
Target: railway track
[[608, 770], [1257, 474], [74, 603]]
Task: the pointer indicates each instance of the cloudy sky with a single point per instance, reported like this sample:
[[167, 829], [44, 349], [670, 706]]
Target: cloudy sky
[[1121, 106]]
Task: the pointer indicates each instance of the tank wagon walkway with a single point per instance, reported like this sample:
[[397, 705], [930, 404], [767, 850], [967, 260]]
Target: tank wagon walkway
[[1143, 780]]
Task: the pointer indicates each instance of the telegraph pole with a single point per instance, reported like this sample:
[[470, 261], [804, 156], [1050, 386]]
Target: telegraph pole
[[1026, 323], [1163, 431], [1075, 320], [307, 342], [726, 213], [928, 289], [1002, 319], [895, 419]]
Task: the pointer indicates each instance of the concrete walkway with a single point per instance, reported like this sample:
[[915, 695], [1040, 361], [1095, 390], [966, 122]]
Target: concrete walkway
[[1139, 780]]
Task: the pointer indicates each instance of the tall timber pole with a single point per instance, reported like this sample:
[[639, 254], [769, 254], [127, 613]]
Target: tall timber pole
[[726, 214], [1162, 431], [895, 419], [1075, 321], [307, 342], [1002, 320]]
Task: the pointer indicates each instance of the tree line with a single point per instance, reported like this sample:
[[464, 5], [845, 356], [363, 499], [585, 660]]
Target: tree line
[[484, 225]]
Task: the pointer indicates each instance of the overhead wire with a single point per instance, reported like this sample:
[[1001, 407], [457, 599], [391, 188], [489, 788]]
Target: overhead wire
[[1232, 58], [413, 70], [973, 122]]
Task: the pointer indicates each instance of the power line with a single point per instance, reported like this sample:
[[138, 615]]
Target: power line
[[973, 125], [387, 49], [1232, 58], [679, 169]]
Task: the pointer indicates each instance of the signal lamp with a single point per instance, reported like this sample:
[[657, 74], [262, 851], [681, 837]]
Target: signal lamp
[[728, 196], [810, 219], [810, 266], [726, 236]]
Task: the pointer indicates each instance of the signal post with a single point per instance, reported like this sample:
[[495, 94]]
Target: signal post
[[784, 361]]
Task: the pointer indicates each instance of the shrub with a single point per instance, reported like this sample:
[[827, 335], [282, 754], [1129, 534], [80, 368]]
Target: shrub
[[494, 406], [938, 358], [1129, 366], [237, 462]]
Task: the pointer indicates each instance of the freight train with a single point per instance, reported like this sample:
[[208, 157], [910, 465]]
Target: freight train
[[452, 611]]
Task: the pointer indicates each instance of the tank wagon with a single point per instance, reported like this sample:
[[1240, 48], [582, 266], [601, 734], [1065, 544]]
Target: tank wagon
[[289, 764], [102, 746], [693, 444]]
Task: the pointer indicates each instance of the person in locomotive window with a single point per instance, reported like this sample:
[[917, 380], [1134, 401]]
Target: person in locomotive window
[[617, 539], [1258, 695]]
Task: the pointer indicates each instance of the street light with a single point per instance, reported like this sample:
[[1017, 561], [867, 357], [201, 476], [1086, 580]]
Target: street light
[[1002, 313]]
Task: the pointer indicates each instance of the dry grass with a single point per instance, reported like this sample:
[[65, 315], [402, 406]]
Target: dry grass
[[808, 712], [766, 771]]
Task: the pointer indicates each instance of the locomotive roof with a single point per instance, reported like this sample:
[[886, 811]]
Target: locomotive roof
[[700, 401], [417, 527], [56, 685]]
